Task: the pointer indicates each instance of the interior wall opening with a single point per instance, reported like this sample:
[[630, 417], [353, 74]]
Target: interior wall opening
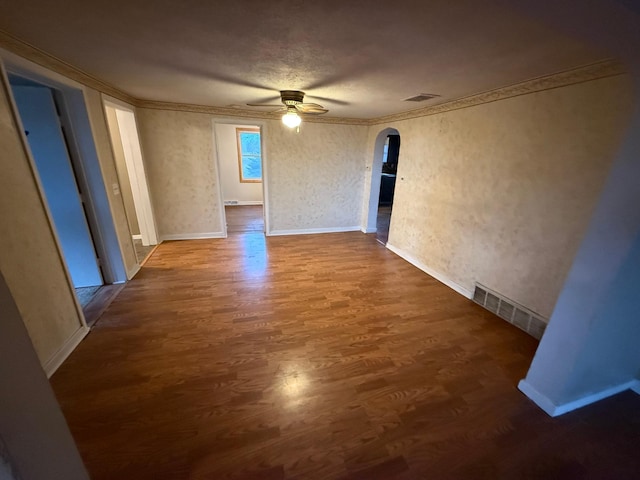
[[240, 163], [132, 178], [50, 138], [387, 186], [383, 179]]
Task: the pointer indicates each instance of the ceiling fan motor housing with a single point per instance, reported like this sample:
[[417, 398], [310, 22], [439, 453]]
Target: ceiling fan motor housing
[[291, 97]]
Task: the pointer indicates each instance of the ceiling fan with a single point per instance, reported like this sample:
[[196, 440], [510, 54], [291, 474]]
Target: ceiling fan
[[293, 103]]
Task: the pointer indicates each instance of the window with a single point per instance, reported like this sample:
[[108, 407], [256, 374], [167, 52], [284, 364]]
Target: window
[[385, 150], [249, 157]]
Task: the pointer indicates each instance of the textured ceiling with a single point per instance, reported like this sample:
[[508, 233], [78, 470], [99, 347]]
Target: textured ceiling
[[358, 58]]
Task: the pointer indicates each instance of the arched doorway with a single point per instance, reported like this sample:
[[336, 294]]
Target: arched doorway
[[383, 176]]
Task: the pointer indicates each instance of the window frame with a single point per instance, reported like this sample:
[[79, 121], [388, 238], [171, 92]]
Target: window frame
[[239, 131]]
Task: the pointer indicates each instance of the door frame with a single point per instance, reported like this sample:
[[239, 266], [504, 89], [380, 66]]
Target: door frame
[[79, 251], [84, 156], [376, 173], [137, 175], [262, 126]]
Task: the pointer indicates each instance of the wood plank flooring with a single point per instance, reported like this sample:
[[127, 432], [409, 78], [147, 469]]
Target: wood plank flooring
[[318, 357], [244, 218]]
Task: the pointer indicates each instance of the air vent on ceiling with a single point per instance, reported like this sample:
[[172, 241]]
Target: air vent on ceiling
[[421, 97], [521, 317]]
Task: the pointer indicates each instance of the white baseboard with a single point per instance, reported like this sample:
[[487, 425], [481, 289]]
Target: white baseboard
[[311, 231], [554, 410], [242, 202], [368, 230], [438, 276], [136, 237], [63, 352], [193, 236]]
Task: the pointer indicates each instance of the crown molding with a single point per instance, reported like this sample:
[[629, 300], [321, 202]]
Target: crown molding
[[594, 71], [242, 113], [44, 59]]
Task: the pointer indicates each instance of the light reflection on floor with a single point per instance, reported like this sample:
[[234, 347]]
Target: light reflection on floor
[[254, 254]]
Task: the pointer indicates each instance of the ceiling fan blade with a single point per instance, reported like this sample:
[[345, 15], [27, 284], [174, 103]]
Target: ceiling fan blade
[[331, 100], [264, 105], [311, 108]]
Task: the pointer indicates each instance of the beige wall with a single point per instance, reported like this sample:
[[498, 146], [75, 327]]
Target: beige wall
[[181, 170], [501, 193], [121, 169], [314, 178], [29, 256]]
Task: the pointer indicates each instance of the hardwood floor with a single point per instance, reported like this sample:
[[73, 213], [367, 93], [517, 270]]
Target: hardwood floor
[[100, 302], [318, 357], [244, 218]]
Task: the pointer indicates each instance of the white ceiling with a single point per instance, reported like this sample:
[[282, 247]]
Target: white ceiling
[[358, 58]]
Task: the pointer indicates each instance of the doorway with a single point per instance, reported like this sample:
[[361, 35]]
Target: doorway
[[383, 180], [49, 135], [240, 163], [132, 178], [390, 154]]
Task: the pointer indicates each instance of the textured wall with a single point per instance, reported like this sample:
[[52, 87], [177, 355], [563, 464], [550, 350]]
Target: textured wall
[[227, 147], [315, 177], [29, 257], [181, 170], [501, 193]]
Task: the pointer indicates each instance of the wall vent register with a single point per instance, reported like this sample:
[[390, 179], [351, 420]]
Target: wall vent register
[[508, 310]]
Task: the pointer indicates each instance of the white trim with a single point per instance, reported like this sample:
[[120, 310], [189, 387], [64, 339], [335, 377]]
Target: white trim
[[137, 237], [438, 276], [262, 125], [312, 231], [369, 230], [216, 166], [116, 103], [237, 203], [193, 236], [130, 139], [51, 365], [554, 410]]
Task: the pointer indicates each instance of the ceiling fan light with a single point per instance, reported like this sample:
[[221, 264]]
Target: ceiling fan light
[[291, 119]]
